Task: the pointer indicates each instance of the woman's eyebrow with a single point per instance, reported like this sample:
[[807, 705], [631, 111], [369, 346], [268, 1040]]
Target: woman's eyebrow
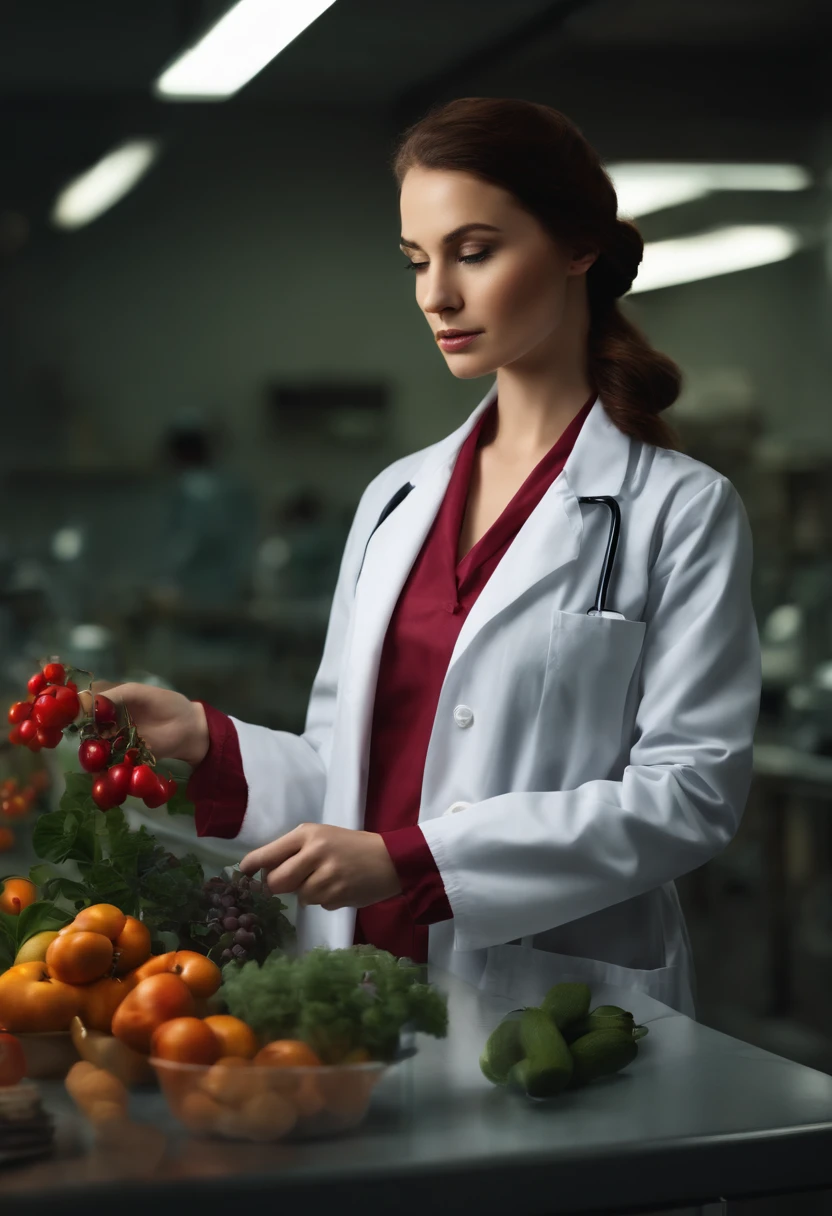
[[450, 237]]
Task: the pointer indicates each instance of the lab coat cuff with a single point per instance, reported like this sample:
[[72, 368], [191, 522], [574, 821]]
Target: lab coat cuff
[[217, 787], [422, 886]]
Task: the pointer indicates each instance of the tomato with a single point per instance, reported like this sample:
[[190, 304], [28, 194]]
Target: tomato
[[132, 946], [16, 807], [101, 794], [105, 710], [37, 683], [47, 712], [100, 1001], [14, 736], [70, 704], [154, 1000], [118, 783], [49, 736], [54, 673], [143, 781], [93, 754], [131, 756], [235, 1037], [30, 1000], [16, 893], [6, 840], [186, 1040], [201, 975], [12, 1060], [79, 958], [27, 731], [99, 918], [19, 712], [287, 1053], [160, 796]]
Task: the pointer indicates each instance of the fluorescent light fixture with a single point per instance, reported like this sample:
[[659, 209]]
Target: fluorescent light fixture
[[707, 254], [240, 45], [643, 187], [96, 190]]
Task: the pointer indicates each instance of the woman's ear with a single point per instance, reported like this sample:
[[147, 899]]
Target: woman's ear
[[582, 260]]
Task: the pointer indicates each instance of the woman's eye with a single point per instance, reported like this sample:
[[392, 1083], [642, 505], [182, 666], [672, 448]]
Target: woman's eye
[[471, 257]]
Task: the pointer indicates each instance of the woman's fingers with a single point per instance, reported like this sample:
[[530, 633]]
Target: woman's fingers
[[270, 856], [292, 874]]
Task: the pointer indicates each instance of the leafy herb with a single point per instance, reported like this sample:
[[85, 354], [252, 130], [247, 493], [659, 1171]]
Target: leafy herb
[[335, 1000], [15, 930]]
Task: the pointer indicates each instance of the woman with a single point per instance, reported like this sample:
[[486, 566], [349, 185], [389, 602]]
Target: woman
[[495, 778]]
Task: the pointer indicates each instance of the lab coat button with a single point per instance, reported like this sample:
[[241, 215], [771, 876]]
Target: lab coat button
[[463, 715], [456, 806]]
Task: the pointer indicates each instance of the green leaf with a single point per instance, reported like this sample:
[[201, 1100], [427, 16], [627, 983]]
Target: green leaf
[[54, 836], [41, 874], [39, 918]]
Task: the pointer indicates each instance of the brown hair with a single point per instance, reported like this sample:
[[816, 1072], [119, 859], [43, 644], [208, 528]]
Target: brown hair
[[541, 157]]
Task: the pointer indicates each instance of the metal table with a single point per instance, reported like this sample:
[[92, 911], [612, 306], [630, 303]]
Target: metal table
[[699, 1118]]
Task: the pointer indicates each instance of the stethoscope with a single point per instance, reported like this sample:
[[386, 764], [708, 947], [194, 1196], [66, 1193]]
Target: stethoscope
[[599, 608]]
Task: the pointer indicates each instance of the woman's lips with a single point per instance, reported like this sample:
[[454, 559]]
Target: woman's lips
[[457, 343]]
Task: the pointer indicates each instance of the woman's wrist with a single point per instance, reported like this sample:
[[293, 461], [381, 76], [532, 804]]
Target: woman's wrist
[[198, 740]]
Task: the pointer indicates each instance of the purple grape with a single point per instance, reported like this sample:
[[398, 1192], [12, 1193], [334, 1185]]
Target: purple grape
[[238, 951], [247, 920], [227, 955], [232, 911], [216, 900], [227, 901], [230, 924], [243, 938]]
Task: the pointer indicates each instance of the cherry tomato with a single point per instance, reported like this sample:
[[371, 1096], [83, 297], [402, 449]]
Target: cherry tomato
[[47, 712], [27, 731], [55, 673], [171, 788], [93, 754], [19, 712], [14, 736], [131, 756], [159, 797], [51, 690], [105, 710], [16, 806], [69, 703], [101, 794], [34, 745], [72, 686], [143, 781], [118, 783], [49, 736], [37, 683], [8, 787]]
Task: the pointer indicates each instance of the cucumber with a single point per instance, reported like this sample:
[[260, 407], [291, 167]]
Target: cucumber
[[566, 1003], [502, 1050], [599, 1021], [613, 1010], [600, 1053], [547, 1063]]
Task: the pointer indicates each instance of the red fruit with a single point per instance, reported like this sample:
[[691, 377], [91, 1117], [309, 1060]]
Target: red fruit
[[47, 712], [14, 736], [118, 783], [69, 703], [37, 683], [131, 756], [51, 690], [34, 745], [143, 781], [72, 685], [171, 788], [101, 794], [105, 710], [27, 731], [55, 673], [159, 796], [19, 712], [49, 736], [93, 754]]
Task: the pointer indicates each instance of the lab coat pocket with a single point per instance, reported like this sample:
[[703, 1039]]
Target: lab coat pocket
[[591, 664], [524, 974]]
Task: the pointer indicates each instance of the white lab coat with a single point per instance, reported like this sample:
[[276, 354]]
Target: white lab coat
[[577, 764]]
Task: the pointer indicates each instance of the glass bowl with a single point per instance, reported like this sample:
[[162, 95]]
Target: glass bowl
[[238, 1100]]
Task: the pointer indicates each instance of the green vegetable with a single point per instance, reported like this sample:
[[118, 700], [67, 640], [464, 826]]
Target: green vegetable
[[605, 1017], [566, 1003], [547, 1064], [600, 1053], [502, 1050], [335, 1000]]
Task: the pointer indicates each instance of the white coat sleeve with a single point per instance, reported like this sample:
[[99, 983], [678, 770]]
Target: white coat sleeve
[[521, 863], [286, 773]]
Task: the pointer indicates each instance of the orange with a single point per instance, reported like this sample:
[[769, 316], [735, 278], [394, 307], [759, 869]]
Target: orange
[[31, 1000], [132, 946], [16, 894], [266, 1116], [236, 1039], [231, 1080], [201, 975], [199, 1112], [287, 1053], [153, 1001], [186, 1040], [79, 958]]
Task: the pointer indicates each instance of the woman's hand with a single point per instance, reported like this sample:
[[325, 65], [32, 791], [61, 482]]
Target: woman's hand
[[333, 867], [173, 727]]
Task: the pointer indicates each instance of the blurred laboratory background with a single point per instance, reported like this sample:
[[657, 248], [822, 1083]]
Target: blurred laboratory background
[[207, 350]]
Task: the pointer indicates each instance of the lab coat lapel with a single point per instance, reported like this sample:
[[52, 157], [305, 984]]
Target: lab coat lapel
[[551, 536]]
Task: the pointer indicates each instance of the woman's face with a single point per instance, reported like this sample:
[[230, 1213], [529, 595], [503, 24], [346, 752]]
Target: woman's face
[[511, 280]]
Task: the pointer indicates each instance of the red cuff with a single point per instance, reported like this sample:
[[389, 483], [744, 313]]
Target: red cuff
[[422, 885], [218, 787]]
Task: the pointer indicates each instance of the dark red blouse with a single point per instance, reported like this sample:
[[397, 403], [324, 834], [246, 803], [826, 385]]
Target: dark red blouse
[[434, 602]]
